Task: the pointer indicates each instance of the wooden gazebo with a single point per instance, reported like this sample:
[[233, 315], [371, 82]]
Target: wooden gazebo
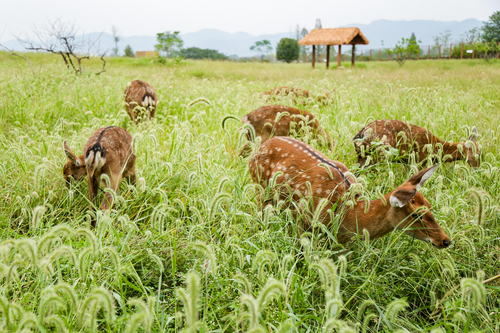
[[331, 37]]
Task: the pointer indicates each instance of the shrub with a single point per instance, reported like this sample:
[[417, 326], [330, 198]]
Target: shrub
[[129, 52]]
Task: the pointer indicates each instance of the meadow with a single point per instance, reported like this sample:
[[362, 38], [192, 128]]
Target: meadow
[[189, 248]]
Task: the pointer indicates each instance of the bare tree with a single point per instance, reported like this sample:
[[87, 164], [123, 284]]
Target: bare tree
[[20, 56], [63, 38]]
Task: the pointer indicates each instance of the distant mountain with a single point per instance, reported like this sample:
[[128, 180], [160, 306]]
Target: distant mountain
[[239, 43]]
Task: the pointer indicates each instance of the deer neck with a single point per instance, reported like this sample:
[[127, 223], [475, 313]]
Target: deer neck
[[452, 150], [377, 219]]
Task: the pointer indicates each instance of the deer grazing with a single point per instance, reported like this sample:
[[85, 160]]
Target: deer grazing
[[299, 171], [107, 152], [408, 139], [279, 120], [140, 96]]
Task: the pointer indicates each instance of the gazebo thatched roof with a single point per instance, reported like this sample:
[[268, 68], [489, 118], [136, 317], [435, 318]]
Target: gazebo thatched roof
[[337, 36]]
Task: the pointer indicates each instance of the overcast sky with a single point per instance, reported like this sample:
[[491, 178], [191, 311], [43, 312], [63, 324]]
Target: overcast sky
[[147, 17]]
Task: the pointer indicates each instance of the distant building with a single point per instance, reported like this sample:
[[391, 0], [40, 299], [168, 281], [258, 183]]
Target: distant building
[[146, 54]]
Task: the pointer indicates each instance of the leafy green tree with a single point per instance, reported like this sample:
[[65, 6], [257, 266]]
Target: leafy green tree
[[116, 38], [303, 33], [197, 53], [288, 49], [487, 50], [262, 47], [168, 42], [472, 36], [405, 48], [491, 29], [129, 52]]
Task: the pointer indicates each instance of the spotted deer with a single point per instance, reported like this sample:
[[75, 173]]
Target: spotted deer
[[296, 170], [107, 152], [297, 94], [140, 96], [408, 139], [279, 120]]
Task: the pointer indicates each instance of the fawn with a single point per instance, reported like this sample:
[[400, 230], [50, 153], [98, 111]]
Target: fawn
[[140, 95], [407, 139], [300, 171], [108, 151]]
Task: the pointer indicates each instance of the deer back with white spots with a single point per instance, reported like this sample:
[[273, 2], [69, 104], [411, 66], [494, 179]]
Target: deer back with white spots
[[407, 139], [280, 120], [294, 171]]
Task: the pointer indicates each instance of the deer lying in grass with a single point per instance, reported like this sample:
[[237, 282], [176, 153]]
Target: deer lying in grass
[[299, 171], [140, 96], [407, 139], [279, 120], [296, 93], [107, 152]]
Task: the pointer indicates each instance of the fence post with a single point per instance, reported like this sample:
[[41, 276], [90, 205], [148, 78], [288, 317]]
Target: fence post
[[439, 52], [388, 56], [429, 53], [450, 50], [379, 55], [462, 52], [418, 53], [498, 53], [473, 50]]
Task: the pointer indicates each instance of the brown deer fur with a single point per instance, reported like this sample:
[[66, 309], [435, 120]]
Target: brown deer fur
[[109, 152], [307, 173], [264, 122], [408, 138], [139, 96]]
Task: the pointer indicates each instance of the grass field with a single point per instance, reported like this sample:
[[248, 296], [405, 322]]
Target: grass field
[[189, 247]]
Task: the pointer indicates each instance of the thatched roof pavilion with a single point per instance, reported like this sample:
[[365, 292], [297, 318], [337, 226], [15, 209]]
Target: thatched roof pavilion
[[337, 36]]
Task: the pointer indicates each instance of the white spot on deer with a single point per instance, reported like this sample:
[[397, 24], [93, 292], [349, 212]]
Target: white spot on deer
[[328, 191], [295, 145], [303, 160], [318, 191]]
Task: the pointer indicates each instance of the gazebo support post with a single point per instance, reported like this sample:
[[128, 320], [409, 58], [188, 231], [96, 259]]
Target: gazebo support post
[[353, 55], [313, 55], [327, 56], [339, 55]]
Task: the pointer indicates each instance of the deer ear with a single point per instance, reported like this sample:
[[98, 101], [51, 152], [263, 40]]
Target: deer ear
[[418, 180], [69, 154], [400, 197], [474, 134]]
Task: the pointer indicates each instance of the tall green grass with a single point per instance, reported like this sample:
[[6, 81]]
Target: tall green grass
[[189, 248]]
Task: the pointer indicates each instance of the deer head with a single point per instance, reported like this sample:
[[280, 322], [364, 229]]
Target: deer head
[[74, 167], [411, 212]]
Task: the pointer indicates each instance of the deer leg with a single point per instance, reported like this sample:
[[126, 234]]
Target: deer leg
[[93, 187], [115, 181], [129, 172]]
